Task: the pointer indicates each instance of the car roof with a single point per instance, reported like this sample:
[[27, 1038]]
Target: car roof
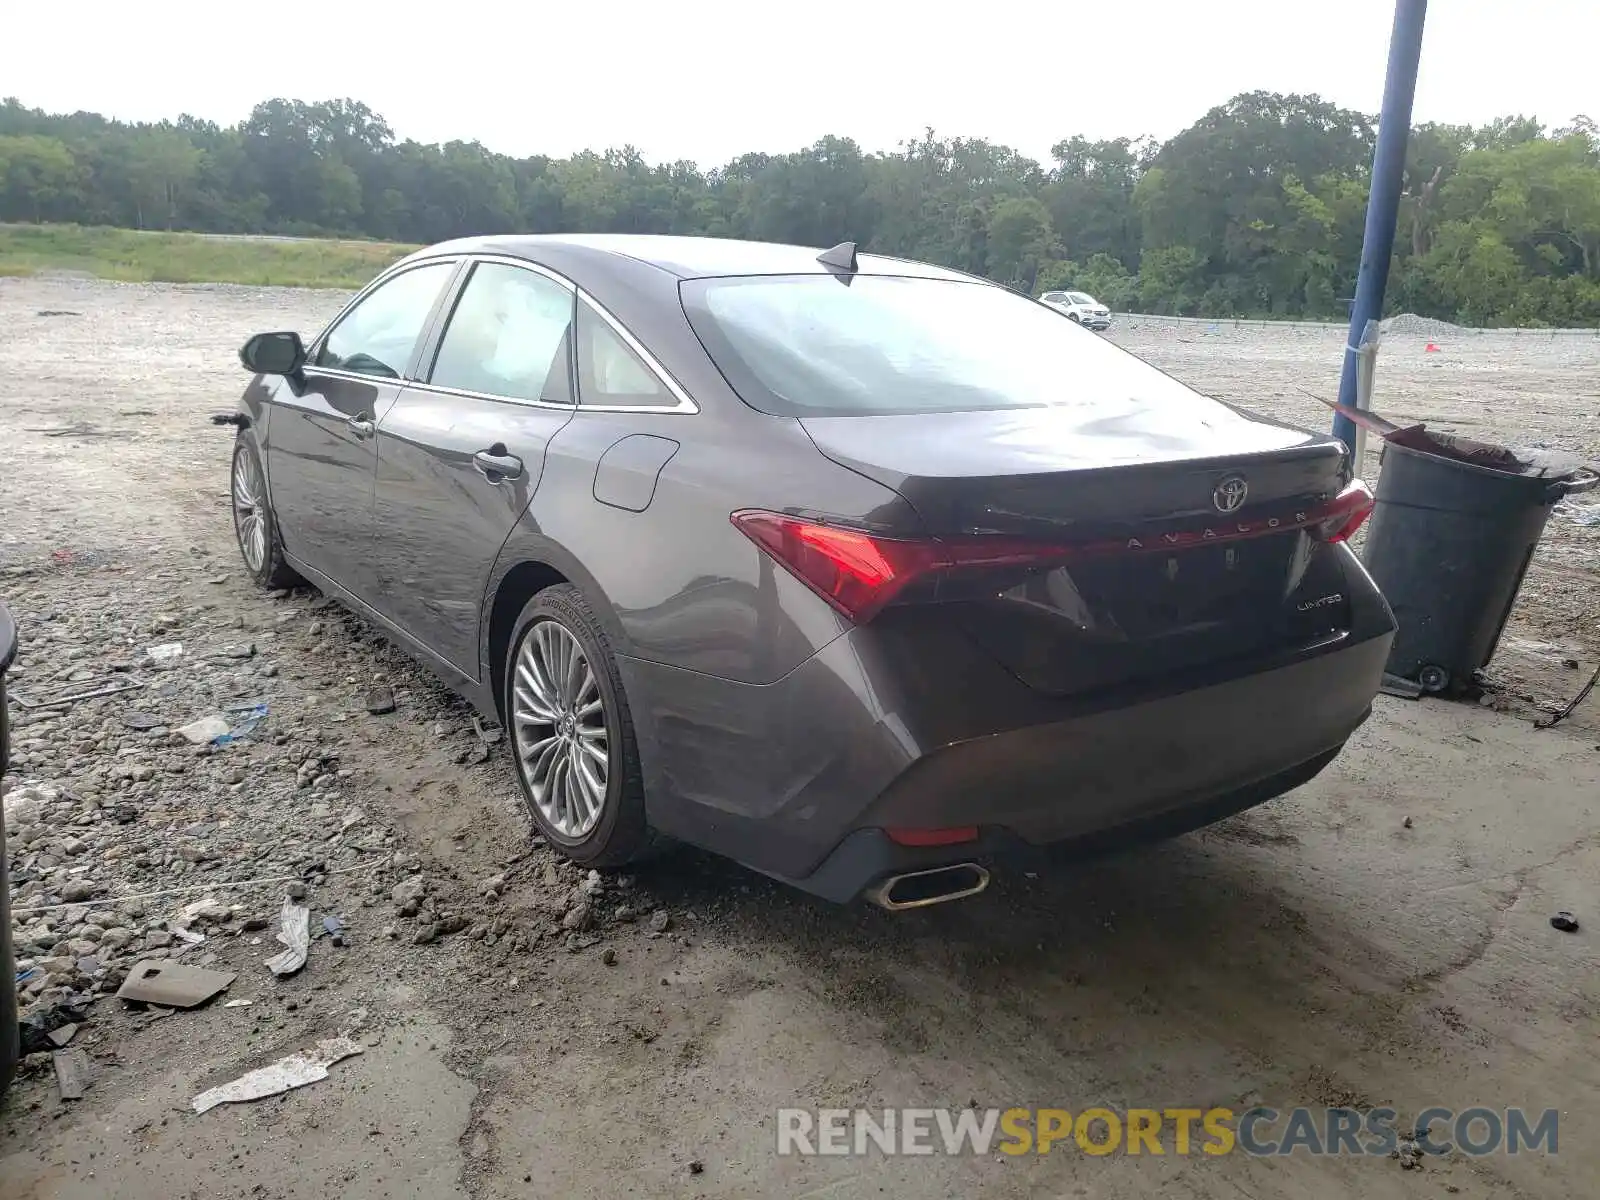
[[685, 257]]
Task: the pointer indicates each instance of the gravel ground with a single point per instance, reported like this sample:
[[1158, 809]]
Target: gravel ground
[[528, 1029]]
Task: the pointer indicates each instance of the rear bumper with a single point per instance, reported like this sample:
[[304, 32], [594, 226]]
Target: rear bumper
[[1100, 781], [868, 856], [798, 779]]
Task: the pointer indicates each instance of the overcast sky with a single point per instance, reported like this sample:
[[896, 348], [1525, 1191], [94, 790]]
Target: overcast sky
[[710, 79]]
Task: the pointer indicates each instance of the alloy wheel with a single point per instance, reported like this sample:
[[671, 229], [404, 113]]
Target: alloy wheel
[[559, 730], [249, 516]]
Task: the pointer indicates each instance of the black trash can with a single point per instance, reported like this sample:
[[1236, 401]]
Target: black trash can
[[8, 964], [1448, 544]]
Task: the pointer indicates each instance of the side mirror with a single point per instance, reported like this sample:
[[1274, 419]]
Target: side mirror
[[273, 354]]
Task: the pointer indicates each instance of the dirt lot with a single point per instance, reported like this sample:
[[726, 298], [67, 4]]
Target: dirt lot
[[1379, 937]]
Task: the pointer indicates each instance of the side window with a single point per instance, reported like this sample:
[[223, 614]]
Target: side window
[[508, 336], [377, 336], [609, 372]]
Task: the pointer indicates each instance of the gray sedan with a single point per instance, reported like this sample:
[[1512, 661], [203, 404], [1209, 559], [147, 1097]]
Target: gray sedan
[[862, 572]]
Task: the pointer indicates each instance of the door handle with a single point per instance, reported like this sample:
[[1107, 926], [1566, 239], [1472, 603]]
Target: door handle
[[361, 425], [496, 464]]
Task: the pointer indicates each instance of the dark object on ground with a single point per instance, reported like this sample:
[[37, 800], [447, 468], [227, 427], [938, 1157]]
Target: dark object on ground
[[380, 700], [35, 1030], [73, 1073], [1572, 705], [1405, 689], [8, 967], [1455, 527], [732, 560], [1565, 922], [173, 984]]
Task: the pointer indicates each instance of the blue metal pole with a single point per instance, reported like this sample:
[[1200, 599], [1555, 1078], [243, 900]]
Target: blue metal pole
[[1383, 202]]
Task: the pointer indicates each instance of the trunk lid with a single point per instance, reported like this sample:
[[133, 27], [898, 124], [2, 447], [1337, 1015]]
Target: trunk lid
[[1197, 519], [1070, 473]]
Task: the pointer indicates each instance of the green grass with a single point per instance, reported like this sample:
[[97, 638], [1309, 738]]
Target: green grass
[[146, 257]]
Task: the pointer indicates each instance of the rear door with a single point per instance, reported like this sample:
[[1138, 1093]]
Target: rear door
[[461, 451], [320, 445]]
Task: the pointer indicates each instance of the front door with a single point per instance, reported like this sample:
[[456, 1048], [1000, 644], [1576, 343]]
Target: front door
[[321, 439], [460, 453]]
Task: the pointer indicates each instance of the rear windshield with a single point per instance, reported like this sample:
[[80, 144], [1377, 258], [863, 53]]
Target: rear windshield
[[824, 345]]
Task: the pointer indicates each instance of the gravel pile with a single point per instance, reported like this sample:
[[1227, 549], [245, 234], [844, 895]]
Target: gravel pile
[[1411, 325]]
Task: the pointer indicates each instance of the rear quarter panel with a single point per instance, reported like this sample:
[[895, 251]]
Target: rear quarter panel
[[686, 588]]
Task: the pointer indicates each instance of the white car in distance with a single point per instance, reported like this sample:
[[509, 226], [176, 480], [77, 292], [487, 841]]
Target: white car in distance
[[1080, 307]]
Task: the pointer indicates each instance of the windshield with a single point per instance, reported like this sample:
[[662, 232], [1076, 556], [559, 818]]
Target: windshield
[[819, 345], [1080, 298]]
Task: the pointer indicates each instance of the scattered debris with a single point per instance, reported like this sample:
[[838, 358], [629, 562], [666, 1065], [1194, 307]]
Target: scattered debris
[[60, 1037], [56, 701], [141, 721], [179, 891], [696, 1166], [1565, 922], [238, 1003], [295, 891], [660, 921], [487, 734], [35, 1032], [1583, 694], [1405, 689], [203, 730], [173, 985], [608, 956], [165, 652], [73, 1074], [1407, 822], [247, 718], [410, 890], [294, 932], [295, 1071], [380, 701]]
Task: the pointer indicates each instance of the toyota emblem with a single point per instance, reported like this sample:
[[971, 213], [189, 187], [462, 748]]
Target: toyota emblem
[[1229, 494]]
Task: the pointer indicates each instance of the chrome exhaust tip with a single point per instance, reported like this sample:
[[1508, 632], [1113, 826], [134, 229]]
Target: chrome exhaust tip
[[918, 889]]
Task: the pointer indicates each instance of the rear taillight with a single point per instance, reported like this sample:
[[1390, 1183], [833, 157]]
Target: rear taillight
[[860, 573], [1338, 520]]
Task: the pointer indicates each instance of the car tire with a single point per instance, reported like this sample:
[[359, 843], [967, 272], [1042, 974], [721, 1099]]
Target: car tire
[[556, 735], [1075, 318], [255, 528]]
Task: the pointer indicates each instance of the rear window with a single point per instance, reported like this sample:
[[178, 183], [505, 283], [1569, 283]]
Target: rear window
[[825, 345]]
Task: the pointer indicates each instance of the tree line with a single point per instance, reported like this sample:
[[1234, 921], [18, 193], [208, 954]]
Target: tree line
[[1254, 210]]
